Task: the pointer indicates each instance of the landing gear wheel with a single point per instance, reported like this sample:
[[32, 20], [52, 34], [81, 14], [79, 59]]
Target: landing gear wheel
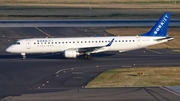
[[23, 56], [88, 57]]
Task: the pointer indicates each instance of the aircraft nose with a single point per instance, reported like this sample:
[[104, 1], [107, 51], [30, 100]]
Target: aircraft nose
[[9, 49]]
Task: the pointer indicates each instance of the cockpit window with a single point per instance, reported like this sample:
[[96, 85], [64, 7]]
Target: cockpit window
[[17, 43]]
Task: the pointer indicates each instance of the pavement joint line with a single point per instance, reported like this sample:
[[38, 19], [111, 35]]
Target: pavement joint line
[[169, 90], [57, 88], [126, 66], [43, 32], [154, 51], [7, 59], [78, 77], [77, 72]]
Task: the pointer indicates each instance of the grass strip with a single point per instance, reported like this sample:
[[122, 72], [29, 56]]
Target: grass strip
[[129, 77]]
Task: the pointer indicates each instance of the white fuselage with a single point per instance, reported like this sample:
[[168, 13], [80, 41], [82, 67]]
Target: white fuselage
[[51, 45]]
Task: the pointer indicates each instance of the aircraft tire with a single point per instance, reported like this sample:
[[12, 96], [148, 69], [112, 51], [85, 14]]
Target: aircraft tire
[[88, 57]]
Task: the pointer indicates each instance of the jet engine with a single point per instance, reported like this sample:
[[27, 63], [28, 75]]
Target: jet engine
[[70, 53]]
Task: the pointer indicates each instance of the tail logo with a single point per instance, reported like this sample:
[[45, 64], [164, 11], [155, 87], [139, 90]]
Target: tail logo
[[161, 24]]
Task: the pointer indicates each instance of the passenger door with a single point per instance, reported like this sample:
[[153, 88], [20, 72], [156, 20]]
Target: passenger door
[[138, 40], [28, 43]]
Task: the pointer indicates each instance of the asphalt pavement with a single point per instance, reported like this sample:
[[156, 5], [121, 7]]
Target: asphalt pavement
[[52, 77]]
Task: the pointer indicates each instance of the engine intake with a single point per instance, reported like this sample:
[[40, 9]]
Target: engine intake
[[70, 53]]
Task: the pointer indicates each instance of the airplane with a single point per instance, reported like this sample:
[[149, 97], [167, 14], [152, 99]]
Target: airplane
[[73, 47]]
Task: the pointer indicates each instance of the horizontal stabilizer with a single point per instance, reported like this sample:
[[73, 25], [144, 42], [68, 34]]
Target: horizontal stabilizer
[[167, 38]]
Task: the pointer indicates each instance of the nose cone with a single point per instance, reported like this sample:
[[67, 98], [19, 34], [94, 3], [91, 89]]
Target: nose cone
[[9, 49]]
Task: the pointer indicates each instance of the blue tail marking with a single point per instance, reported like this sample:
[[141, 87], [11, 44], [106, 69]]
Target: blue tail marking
[[160, 28]]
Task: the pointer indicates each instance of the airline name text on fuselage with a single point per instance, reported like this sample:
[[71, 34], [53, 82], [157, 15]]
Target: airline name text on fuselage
[[44, 40]]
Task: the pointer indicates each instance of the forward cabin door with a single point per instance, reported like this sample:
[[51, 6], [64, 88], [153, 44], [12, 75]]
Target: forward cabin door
[[138, 40], [28, 43]]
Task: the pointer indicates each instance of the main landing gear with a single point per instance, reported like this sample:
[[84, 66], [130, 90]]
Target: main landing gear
[[88, 57], [23, 56]]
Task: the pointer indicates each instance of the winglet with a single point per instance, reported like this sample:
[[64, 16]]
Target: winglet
[[110, 43], [160, 28]]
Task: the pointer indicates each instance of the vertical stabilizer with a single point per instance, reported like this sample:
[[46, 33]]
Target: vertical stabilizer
[[161, 27]]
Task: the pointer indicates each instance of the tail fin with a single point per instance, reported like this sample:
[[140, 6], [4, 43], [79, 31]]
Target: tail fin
[[160, 28]]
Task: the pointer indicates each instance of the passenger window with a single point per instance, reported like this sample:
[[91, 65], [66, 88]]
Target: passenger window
[[34, 43]]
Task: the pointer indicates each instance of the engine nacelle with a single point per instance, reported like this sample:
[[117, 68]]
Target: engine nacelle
[[70, 53]]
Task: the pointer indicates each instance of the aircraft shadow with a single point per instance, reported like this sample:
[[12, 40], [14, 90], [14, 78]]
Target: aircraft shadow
[[50, 56]]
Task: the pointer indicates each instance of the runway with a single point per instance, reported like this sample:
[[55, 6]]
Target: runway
[[51, 77]]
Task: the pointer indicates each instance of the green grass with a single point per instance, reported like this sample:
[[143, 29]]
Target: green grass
[[153, 76]]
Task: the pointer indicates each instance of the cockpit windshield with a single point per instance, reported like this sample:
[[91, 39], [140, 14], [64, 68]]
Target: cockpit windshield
[[17, 43]]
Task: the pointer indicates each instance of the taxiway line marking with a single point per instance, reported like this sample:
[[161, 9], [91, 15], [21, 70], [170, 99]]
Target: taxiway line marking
[[171, 91], [77, 72], [154, 51], [6, 98], [43, 32]]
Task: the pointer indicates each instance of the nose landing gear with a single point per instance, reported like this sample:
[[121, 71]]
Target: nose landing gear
[[23, 56]]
